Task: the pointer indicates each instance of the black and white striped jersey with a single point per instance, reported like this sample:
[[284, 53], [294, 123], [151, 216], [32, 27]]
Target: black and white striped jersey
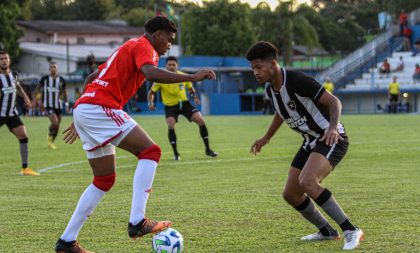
[[8, 95], [52, 88], [297, 103]]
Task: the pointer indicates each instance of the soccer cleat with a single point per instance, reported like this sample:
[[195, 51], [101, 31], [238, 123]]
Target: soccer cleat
[[146, 226], [51, 145], [211, 153], [69, 247], [318, 236], [28, 172], [352, 238], [177, 157]]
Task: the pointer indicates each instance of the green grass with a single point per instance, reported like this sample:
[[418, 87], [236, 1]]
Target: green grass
[[229, 204]]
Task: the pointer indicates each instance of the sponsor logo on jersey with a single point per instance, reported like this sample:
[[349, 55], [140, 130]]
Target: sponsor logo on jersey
[[294, 123], [89, 94], [52, 89], [101, 82], [8, 90]]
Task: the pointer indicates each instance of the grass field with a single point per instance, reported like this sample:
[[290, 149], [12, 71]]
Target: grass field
[[229, 204]]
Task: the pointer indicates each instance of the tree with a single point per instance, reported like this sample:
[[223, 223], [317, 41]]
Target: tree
[[292, 28], [138, 16], [218, 28], [9, 32]]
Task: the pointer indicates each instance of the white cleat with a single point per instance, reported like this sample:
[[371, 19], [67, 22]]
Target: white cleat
[[352, 238], [318, 236]]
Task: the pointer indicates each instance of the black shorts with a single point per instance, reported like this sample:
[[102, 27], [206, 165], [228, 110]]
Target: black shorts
[[185, 108], [334, 154], [393, 98], [11, 122], [51, 111]]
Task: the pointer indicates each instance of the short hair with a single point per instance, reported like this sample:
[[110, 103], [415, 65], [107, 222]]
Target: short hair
[[160, 23], [4, 52], [172, 58], [262, 50], [53, 63]]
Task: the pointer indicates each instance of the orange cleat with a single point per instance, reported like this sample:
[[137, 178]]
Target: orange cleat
[[146, 226]]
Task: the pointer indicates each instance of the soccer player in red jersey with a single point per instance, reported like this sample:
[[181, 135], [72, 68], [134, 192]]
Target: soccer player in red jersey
[[101, 124]]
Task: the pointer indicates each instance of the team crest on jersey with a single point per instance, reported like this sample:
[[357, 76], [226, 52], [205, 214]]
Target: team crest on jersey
[[291, 104]]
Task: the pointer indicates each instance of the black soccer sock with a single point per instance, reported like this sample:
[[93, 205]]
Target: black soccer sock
[[309, 211], [172, 140], [54, 134], [205, 136], [24, 152], [328, 203]]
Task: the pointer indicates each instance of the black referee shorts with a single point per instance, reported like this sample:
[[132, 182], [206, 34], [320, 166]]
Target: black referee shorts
[[393, 98], [334, 153], [11, 122], [185, 108]]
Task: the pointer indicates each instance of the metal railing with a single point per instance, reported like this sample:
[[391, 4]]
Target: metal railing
[[358, 58]]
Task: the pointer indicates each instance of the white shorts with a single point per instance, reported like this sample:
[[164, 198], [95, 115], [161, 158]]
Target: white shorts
[[101, 128]]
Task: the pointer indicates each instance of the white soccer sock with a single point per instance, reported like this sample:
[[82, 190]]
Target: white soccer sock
[[142, 184], [87, 203]]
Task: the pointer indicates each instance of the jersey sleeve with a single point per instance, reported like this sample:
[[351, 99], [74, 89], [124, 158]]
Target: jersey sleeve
[[307, 86], [156, 87], [144, 55], [188, 85]]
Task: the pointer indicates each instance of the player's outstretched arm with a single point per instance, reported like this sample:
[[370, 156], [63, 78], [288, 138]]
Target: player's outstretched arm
[[155, 74], [22, 93], [70, 134], [275, 125], [331, 136]]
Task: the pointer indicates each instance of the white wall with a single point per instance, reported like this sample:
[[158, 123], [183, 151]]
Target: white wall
[[367, 103], [36, 64]]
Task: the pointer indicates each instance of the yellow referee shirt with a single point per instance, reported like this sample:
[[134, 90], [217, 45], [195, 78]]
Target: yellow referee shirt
[[394, 88], [172, 93]]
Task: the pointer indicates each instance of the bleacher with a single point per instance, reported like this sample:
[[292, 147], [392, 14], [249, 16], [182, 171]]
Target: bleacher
[[373, 80]]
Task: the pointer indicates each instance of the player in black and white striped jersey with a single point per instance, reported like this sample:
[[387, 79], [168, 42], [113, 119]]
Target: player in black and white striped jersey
[[10, 87], [53, 89], [304, 105]]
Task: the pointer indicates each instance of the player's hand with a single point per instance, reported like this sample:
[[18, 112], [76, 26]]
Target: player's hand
[[28, 102], [70, 134], [197, 101], [258, 144], [331, 137], [204, 74], [151, 106]]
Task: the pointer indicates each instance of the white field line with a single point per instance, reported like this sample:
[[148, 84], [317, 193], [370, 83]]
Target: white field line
[[173, 163]]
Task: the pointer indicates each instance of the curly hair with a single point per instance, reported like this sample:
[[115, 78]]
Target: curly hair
[[262, 50], [160, 23]]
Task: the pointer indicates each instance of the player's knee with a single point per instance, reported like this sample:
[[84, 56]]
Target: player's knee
[[307, 183], [288, 196], [153, 153], [104, 183]]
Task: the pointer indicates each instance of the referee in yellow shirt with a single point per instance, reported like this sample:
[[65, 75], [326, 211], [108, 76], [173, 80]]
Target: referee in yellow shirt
[[393, 95], [175, 99]]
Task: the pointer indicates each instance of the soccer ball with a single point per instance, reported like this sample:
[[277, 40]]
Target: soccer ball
[[168, 241]]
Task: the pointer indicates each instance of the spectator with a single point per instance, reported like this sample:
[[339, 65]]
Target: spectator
[[400, 65], [403, 21], [407, 32], [393, 95], [416, 47], [385, 68], [329, 85], [416, 75]]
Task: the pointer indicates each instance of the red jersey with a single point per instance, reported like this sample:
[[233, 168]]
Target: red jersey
[[120, 76]]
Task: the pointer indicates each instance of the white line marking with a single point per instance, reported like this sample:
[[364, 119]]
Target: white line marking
[[67, 164]]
